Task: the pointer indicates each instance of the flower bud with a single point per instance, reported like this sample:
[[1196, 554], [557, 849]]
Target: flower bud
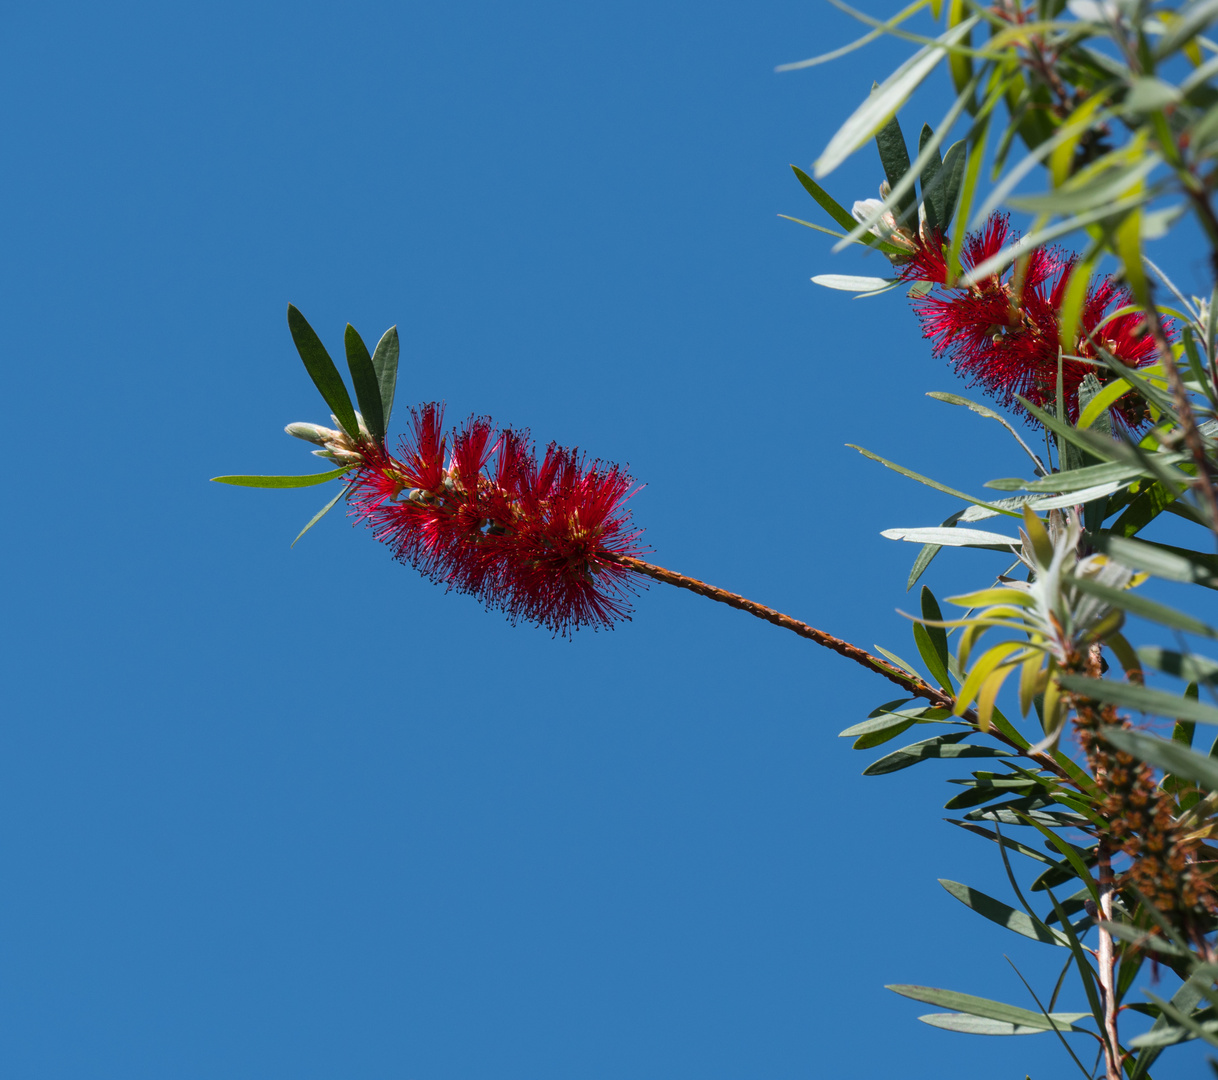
[[313, 433], [339, 457]]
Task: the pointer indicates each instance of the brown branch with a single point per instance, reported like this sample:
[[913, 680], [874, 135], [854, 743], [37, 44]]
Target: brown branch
[[1106, 960], [852, 652], [910, 685], [1205, 481]]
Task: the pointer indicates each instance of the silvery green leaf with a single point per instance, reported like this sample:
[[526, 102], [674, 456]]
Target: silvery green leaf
[[999, 262], [983, 1025], [993, 1010], [1144, 699], [308, 480], [1188, 666], [980, 513], [1148, 94], [1095, 192], [882, 105], [1174, 564], [848, 283], [1076, 498], [952, 537]]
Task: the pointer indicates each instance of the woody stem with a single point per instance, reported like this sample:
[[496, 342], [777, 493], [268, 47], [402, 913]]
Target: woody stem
[[1207, 490], [908, 683], [1106, 960]]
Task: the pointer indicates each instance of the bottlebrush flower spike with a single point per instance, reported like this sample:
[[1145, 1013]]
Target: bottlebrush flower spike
[[537, 541], [1005, 335]]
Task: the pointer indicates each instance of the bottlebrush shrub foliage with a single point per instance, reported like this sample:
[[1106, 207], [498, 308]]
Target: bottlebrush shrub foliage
[[1107, 830]]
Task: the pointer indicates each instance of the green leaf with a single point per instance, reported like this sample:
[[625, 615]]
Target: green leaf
[[894, 156], [853, 283], [998, 838], [993, 1010], [321, 513], [892, 201], [1207, 1031], [995, 264], [980, 1025], [1188, 666], [1141, 698], [880, 28], [385, 361], [925, 556], [1077, 479], [1190, 21], [1172, 757], [951, 178], [879, 736], [1172, 563], [887, 722], [1062, 872], [1185, 1000], [1148, 609], [904, 665], [874, 113], [933, 483], [953, 537], [282, 481], [988, 413], [823, 199], [367, 388], [1084, 440], [1096, 191], [986, 789], [322, 371], [941, 746], [1152, 499], [932, 641], [1148, 94], [839, 213], [1003, 914]]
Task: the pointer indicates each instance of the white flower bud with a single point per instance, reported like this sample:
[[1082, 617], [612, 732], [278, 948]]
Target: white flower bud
[[313, 433]]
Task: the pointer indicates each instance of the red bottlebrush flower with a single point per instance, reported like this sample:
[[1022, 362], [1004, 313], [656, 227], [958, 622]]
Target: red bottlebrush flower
[[1004, 333], [562, 571], [535, 541]]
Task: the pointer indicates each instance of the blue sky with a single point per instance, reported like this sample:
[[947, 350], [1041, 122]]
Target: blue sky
[[298, 813]]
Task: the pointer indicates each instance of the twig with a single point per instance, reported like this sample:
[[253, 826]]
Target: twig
[[1205, 481], [1105, 957], [909, 684]]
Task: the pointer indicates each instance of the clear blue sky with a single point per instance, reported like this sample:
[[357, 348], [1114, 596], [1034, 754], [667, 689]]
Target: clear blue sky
[[272, 813]]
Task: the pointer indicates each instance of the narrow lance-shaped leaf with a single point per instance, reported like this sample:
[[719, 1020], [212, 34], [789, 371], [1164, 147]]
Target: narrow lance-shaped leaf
[[932, 483], [894, 156], [322, 371], [1171, 757], [953, 537], [951, 179], [839, 213], [367, 387], [1175, 564], [993, 1010], [1143, 699], [322, 513], [932, 194], [1187, 666], [308, 480], [875, 112], [385, 362], [932, 641], [980, 1025], [1148, 609], [941, 746]]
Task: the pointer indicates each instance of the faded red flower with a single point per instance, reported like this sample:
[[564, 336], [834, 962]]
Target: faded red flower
[[1004, 334], [535, 540]]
